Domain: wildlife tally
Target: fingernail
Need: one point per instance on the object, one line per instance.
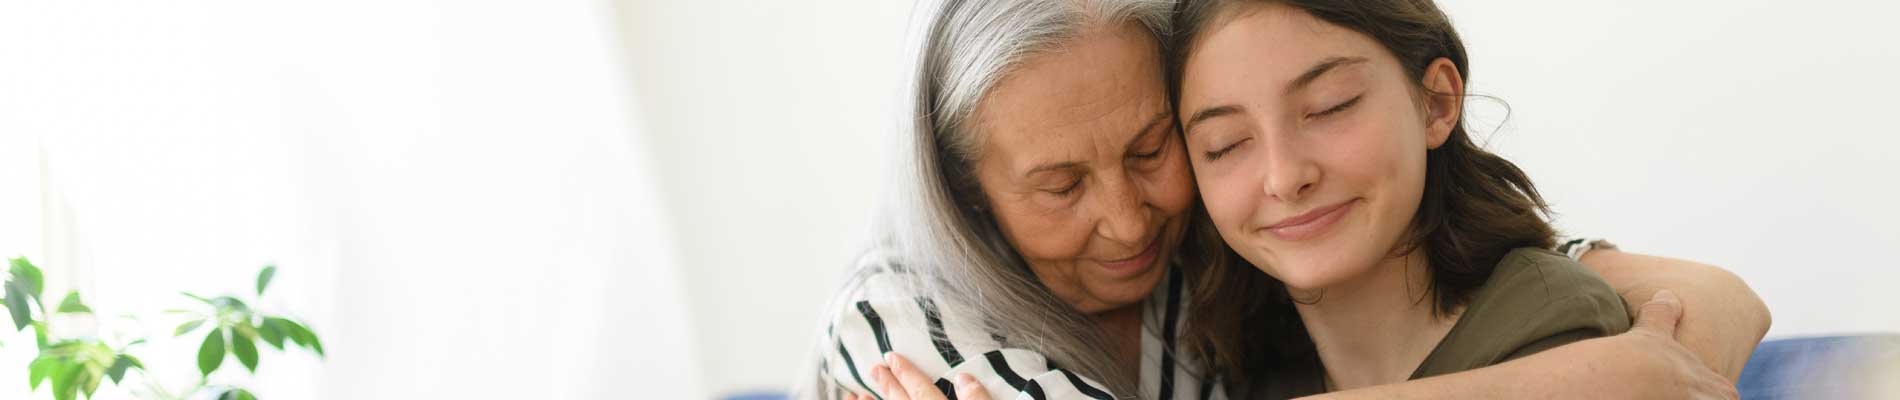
(966, 379)
(890, 358)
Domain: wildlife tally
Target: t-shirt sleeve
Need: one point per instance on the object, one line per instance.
(879, 317)
(1569, 321)
(1576, 247)
(1579, 305)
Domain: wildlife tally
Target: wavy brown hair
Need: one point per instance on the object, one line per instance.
(1476, 206)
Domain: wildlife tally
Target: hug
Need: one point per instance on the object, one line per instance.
(1240, 199)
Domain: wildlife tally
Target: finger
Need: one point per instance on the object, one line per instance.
(886, 384)
(916, 384)
(1660, 314)
(1721, 386)
(969, 389)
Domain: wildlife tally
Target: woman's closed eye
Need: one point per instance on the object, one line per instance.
(1065, 190)
(1155, 151)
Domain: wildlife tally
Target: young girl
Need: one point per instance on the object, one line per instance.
(1328, 143)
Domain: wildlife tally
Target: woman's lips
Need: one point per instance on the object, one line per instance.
(1136, 263)
(1311, 224)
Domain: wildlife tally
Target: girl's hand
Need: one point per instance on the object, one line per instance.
(897, 379)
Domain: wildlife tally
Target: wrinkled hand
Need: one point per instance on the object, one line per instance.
(1648, 361)
(897, 379)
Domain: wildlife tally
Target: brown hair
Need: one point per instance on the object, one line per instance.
(1476, 205)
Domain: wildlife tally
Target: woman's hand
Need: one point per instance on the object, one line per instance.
(1723, 320)
(1652, 364)
(897, 379)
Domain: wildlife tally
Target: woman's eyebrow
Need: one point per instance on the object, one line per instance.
(1313, 74)
(1154, 124)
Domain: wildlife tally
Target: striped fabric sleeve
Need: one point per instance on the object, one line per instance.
(879, 319)
(1576, 247)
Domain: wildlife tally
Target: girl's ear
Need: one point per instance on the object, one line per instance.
(1444, 100)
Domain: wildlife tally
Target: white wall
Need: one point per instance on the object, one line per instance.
(1752, 134)
(1755, 135)
(768, 119)
(455, 192)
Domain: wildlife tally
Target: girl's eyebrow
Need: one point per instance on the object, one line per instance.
(1306, 78)
(1206, 114)
(1313, 74)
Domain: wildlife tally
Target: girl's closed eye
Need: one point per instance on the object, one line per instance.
(1336, 109)
(1223, 150)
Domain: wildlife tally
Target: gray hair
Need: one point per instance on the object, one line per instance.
(934, 221)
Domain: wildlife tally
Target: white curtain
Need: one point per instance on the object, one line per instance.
(455, 192)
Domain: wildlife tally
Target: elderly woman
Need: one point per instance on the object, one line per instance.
(1039, 238)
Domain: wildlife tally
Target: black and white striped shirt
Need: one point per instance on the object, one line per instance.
(881, 317)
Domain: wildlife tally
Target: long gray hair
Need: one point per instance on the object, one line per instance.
(934, 221)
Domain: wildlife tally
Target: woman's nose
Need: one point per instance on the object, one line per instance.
(1125, 216)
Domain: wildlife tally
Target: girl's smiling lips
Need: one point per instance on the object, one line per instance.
(1310, 224)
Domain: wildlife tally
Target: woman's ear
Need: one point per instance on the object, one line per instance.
(1444, 100)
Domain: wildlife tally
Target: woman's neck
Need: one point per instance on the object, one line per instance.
(1376, 329)
(1123, 331)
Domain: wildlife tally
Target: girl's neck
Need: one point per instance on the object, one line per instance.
(1377, 328)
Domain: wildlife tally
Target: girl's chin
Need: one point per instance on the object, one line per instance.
(1308, 275)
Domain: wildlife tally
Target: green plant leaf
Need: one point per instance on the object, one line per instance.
(72, 304)
(41, 369)
(39, 333)
(197, 297)
(28, 275)
(272, 331)
(135, 361)
(89, 377)
(211, 354)
(263, 278)
(302, 336)
(65, 382)
(228, 304)
(119, 365)
(17, 305)
(187, 327)
(246, 351)
(236, 394)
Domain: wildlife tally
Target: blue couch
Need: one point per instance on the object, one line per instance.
(1825, 367)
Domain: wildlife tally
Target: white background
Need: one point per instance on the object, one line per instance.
(650, 199)
(454, 193)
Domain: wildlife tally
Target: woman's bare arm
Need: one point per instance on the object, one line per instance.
(1722, 319)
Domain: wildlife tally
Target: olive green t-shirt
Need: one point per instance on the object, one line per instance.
(1534, 300)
